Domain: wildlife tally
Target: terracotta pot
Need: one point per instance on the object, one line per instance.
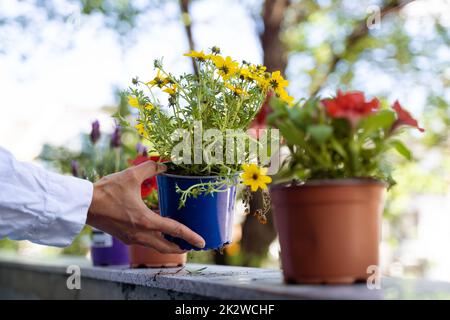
(143, 257)
(329, 230)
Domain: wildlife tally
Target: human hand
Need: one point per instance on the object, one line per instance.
(117, 208)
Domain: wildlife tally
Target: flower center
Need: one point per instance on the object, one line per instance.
(274, 83)
(255, 176)
(224, 69)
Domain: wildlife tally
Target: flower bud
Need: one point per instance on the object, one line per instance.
(215, 50)
(75, 168)
(95, 132)
(141, 149)
(116, 141)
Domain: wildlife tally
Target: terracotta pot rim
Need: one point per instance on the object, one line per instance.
(330, 183)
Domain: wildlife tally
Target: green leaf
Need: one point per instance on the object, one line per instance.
(275, 115)
(277, 104)
(402, 149)
(338, 148)
(291, 133)
(380, 120)
(303, 115)
(320, 132)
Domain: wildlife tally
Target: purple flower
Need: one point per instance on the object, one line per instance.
(141, 149)
(95, 132)
(75, 168)
(116, 141)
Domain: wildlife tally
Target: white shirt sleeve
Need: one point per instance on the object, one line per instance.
(41, 206)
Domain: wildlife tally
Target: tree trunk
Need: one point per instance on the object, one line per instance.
(257, 237)
(186, 19)
(275, 57)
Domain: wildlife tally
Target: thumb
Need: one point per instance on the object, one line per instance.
(148, 169)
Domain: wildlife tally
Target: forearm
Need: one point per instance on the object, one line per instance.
(40, 206)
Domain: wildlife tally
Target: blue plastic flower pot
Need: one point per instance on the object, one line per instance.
(211, 216)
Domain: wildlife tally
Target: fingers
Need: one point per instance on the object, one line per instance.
(150, 221)
(157, 242)
(176, 229)
(148, 169)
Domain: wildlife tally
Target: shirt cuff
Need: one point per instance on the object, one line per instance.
(67, 202)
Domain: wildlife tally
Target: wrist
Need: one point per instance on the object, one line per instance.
(94, 207)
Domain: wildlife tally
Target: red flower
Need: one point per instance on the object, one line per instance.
(404, 118)
(351, 106)
(260, 120)
(149, 184)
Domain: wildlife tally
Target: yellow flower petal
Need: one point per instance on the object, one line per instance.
(199, 55)
(262, 185)
(141, 129)
(133, 101)
(171, 90)
(254, 186)
(286, 97)
(266, 179)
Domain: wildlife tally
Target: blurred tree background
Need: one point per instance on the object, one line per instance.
(377, 46)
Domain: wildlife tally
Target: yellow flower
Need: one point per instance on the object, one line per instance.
(277, 82)
(171, 90)
(133, 101)
(226, 67)
(159, 81)
(283, 95)
(263, 82)
(199, 55)
(255, 177)
(248, 74)
(149, 106)
(140, 129)
(236, 90)
(257, 70)
(261, 69)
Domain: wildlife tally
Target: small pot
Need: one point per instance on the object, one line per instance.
(107, 250)
(144, 257)
(211, 216)
(329, 230)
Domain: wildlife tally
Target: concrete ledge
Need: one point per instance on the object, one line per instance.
(25, 279)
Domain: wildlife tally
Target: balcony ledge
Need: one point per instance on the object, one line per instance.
(22, 278)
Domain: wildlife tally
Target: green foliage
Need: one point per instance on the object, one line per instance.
(209, 100)
(94, 161)
(80, 245)
(223, 96)
(326, 147)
